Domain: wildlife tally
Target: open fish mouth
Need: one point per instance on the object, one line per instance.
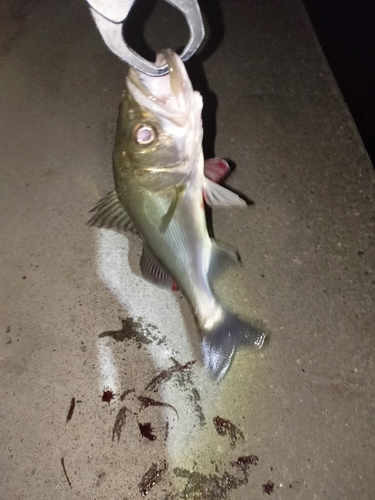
(170, 96)
(162, 88)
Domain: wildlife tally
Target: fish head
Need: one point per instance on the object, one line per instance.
(159, 130)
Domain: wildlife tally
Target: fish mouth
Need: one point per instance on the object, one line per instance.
(161, 88)
(168, 95)
(176, 79)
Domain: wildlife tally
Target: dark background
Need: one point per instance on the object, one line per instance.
(346, 32)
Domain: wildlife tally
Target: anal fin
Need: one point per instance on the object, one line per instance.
(110, 214)
(154, 272)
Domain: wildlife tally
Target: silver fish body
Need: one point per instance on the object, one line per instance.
(160, 188)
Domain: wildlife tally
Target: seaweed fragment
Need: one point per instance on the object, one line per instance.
(147, 431)
(224, 427)
(146, 402)
(150, 478)
(66, 474)
(71, 410)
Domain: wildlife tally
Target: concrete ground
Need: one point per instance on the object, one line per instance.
(88, 349)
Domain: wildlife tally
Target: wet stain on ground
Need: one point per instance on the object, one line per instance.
(182, 374)
(147, 431)
(101, 477)
(166, 429)
(167, 374)
(71, 410)
(134, 329)
(143, 334)
(145, 401)
(268, 487)
(244, 462)
(150, 478)
(199, 486)
(195, 399)
(119, 423)
(212, 487)
(130, 329)
(224, 427)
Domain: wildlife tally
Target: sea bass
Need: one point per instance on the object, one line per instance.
(161, 183)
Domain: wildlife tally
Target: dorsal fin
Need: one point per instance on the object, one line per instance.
(110, 214)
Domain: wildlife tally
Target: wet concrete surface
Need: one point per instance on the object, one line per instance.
(86, 344)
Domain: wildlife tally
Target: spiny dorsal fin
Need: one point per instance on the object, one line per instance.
(110, 214)
(154, 272)
(216, 195)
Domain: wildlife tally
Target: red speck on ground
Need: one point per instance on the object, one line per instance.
(107, 396)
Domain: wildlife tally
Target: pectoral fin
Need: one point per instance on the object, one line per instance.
(179, 192)
(216, 195)
(110, 214)
(154, 272)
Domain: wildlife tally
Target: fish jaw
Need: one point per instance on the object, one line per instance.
(172, 100)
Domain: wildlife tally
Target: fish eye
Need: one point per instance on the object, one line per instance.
(144, 134)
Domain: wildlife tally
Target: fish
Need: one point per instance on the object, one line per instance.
(162, 184)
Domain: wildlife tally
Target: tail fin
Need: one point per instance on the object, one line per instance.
(220, 344)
